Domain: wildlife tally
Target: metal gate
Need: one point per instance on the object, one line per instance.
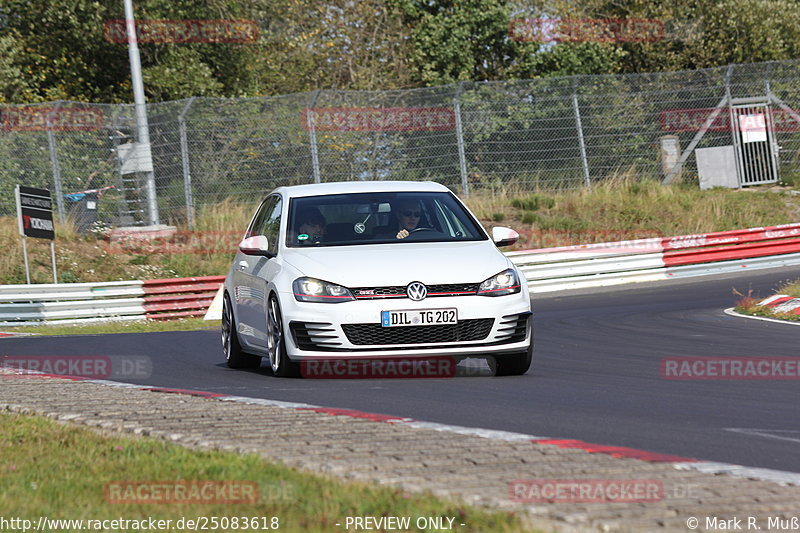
(753, 133)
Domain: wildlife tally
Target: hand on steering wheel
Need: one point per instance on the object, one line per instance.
(403, 233)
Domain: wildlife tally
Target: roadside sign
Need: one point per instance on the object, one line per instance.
(35, 213)
(35, 217)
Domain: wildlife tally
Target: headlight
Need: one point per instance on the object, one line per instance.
(316, 290)
(506, 282)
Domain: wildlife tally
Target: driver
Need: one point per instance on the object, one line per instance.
(408, 217)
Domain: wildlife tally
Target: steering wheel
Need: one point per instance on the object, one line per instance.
(420, 229)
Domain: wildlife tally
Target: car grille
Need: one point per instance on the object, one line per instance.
(372, 334)
(398, 291)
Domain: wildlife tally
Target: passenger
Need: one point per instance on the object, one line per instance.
(310, 226)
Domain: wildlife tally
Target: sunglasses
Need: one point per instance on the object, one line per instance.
(411, 214)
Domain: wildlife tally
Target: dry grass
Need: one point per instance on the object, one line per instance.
(625, 208)
(620, 208)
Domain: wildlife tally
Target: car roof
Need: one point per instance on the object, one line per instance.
(345, 187)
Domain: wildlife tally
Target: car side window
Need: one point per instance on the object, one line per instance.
(258, 219)
(270, 222)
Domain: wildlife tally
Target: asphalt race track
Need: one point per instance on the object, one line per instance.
(596, 374)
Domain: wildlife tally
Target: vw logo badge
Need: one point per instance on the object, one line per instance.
(416, 291)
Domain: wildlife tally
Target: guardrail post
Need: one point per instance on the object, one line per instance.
(462, 159)
(187, 176)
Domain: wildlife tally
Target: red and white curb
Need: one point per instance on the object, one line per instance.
(678, 462)
(780, 303)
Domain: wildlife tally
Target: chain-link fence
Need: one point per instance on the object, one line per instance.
(541, 134)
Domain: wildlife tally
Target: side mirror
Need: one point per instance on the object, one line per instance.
(504, 236)
(255, 245)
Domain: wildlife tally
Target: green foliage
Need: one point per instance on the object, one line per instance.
(58, 49)
(13, 82)
(459, 41)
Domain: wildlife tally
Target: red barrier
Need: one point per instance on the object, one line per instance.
(726, 253)
(738, 236)
(179, 297)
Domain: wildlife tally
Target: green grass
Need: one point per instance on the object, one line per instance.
(132, 326)
(60, 471)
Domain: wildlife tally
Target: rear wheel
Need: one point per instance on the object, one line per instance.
(281, 365)
(234, 355)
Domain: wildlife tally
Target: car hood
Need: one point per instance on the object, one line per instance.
(378, 265)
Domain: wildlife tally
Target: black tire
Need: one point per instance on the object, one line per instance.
(282, 366)
(515, 364)
(234, 355)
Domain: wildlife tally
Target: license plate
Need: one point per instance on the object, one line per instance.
(418, 317)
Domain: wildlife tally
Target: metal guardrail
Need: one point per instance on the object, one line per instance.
(654, 259)
(159, 299)
(69, 291)
(550, 269)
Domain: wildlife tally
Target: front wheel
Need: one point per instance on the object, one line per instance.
(514, 364)
(281, 365)
(518, 363)
(234, 355)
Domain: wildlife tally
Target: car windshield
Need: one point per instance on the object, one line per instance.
(379, 218)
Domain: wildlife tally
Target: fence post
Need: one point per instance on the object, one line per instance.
(577, 110)
(733, 126)
(187, 176)
(462, 159)
(312, 134)
(51, 141)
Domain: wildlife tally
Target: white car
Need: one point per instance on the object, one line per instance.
(338, 271)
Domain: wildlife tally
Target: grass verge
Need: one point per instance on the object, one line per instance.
(118, 326)
(68, 472)
(748, 305)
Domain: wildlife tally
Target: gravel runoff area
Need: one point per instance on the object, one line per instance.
(481, 470)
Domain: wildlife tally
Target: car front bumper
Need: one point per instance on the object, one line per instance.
(352, 330)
